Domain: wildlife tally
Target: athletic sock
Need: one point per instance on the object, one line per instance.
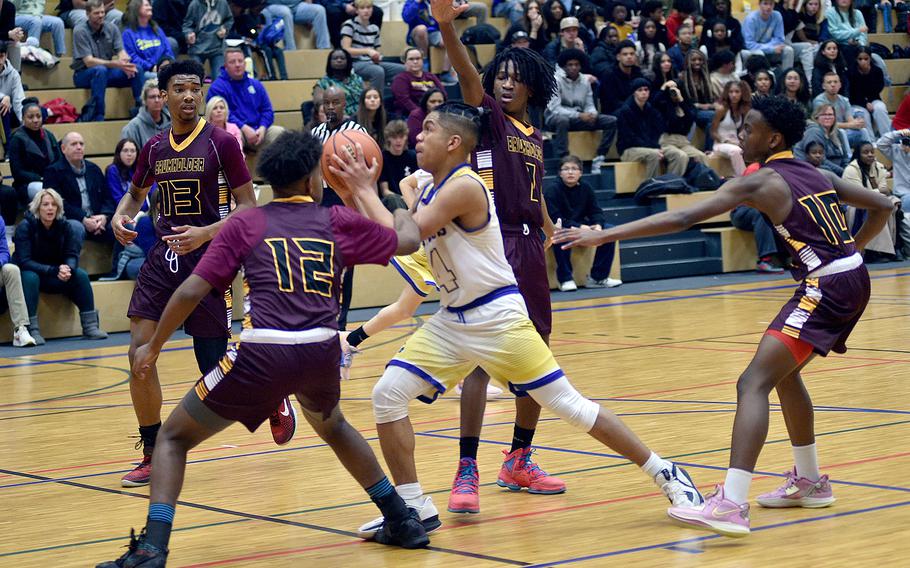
(389, 502)
(410, 492)
(148, 435)
(468, 447)
(736, 486)
(655, 465)
(158, 525)
(357, 337)
(806, 459)
(521, 438)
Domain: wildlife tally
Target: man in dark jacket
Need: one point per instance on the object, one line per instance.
(639, 128)
(572, 203)
(87, 203)
(616, 86)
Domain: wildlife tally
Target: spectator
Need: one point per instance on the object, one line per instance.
(603, 55)
(718, 41)
(206, 25)
(648, 47)
(828, 59)
(30, 17)
(32, 149)
(11, 96)
(10, 33)
(339, 72)
(732, 28)
(616, 86)
(87, 203)
(748, 219)
(866, 84)
(663, 70)
(572, 108)
(218, 112)
(99, 61)
(536, 26)
(763, 32)
(815, 154)
(679, 16)
(847, 119)
(901, 118)
(128, 260)
(430, 100)
(684, 45)
(553, 13)
(170, 15)
(371, 114)
(410, 85)
(587, 25)
(734, 104)
(846, 26)
(764, 83)
(143, 40)
(75, 12)
(654, 11)
(804, 51)
(361, 39)
(868, 172)
(812, 18)
(568, 39)
(723, 71)
(514, 10)
(639, 128)
(753, 64)
(695, 85)
(152, 117)
(795, 87)
(11, 282)
(398, 161)
(252, 113)
(618, 21)
(303, 12)
(47, 253)
(119, 173)
(423, 31)
(261, 36)
(679, 116)
(573, 201)
(824, 131)
(339, 11)
(895, 145)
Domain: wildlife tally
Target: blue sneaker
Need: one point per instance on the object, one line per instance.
(679, 487)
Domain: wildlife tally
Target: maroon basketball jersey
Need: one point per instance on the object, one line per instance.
(509, 158)
(195, 174)
(815, 232)
(292, 252)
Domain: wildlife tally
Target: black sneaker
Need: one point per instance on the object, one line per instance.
(406, 533)
(140, 555)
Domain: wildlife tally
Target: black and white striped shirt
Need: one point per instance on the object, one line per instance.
(322, 133)
(362, 37)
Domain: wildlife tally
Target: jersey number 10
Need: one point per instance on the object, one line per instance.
(825, 211)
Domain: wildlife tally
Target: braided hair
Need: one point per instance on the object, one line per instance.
(530, 68)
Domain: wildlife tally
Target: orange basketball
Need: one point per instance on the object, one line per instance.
(344, 142)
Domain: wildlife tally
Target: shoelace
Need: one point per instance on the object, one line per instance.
(139, 442)
(466, 481)
(525, 462)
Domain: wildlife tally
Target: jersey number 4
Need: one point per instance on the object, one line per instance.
(313, 256)
(825, 211)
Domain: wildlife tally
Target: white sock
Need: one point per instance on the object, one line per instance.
(410, 492)
(655, 465)
(736, 486)
(806, 459)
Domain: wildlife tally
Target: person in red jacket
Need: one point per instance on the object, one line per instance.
(682, 11)
(901, 119)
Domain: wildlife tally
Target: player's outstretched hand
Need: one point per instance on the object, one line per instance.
(445, 11)
(186, 239)
(353, 170)
(143, 361)
(578, 237)
(124, 236)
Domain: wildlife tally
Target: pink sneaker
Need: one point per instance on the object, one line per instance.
(140, 476)
(799, 492)
(283, 422)
(519, 471)
(465, 497)
(718, 514)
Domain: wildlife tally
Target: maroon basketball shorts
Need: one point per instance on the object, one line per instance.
(251, 380)
(161, 273)
(526, 255)
(824, 309)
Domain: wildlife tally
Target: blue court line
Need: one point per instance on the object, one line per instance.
(684, 549)
(716, 536)
(567, 309)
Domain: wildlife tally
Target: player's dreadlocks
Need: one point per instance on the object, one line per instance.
(782, 115)
(531, 69)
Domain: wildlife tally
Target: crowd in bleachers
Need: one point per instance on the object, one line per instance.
(666, 84)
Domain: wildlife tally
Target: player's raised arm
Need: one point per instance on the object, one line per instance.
(445, 12)
(879, 207)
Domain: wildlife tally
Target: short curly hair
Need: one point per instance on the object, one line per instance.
(290, 158)
(183, 67)
(782, 115)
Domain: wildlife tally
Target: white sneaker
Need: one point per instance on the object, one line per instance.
(426, 510)
(596, 164)
(347, 356)
(567, 286)
(678, 487)
(22, 338)
(605, 283)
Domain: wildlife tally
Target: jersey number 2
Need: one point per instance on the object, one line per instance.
(314, 256)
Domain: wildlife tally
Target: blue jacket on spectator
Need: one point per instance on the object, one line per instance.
(247, 98)
(417, 13)
(61, 177)
(4, 248)
(145, 47)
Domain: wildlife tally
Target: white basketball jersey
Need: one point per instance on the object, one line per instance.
(466, 264)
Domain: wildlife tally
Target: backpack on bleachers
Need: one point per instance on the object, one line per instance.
(661, 185)
(702, 177)
(481, 34)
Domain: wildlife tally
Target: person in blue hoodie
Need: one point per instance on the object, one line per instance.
(143, 40)
(251, 109)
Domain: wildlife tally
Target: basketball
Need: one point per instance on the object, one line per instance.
(345, 142)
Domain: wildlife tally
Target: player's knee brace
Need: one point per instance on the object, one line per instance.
(394, 391)
(561, 398)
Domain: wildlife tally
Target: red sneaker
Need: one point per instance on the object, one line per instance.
(283, 422)
(519, 471)
(139, 476)
(464, 497)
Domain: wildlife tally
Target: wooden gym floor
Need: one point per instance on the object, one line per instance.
(667, 361)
